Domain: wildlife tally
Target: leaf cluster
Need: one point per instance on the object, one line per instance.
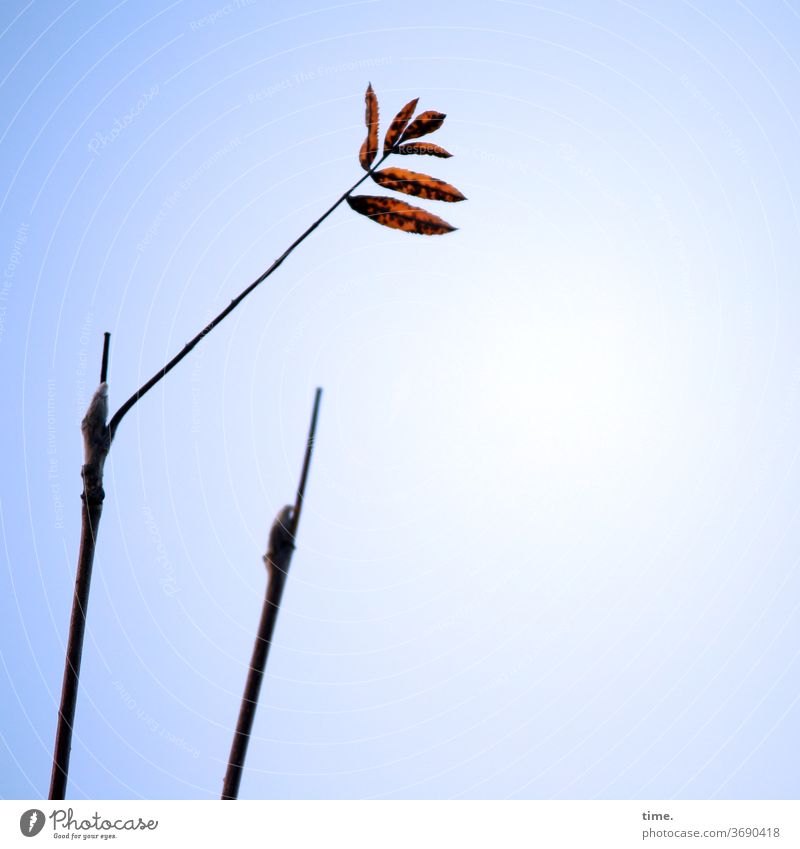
(393, 212)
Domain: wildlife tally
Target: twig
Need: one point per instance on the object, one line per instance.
(117, 417)
(96, 443)
(104, 362)
(96, 448)
(277, 559)
(301, 488)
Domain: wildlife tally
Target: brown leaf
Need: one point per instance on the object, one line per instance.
(427, 122)
(369, 149)
(399, 124)
(421, 185)
(399, 215)
(424, 149)
(363, 157)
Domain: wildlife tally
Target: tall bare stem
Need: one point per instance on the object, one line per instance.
(277, 559)
(98, 437)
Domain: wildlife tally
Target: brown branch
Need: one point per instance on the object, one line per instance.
(98, 437)
(161, 373)
(104, 362)
(96, 443)
(277, 559)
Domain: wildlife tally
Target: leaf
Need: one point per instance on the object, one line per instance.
(399, 215)
(427, 122)
(424, 149)
(369, 149)
(363, 156)
(399, 124)
(421, 185)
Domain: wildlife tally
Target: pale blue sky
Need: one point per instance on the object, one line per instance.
(551, 539)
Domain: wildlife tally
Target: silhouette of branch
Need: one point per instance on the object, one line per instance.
(277, 559)
(161, 373)
(98, 435)
(96, 443)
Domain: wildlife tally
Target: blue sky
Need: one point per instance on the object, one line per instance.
(551, 535)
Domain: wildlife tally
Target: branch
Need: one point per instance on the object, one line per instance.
(96, 443)
(301, 488)
(159, 375)
(277, 559)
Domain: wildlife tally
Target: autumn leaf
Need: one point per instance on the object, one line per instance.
(398, 125)
(399, 215)
(427, 122)
(369, 149)
(421, 185)
(423, 149)
(390, 212)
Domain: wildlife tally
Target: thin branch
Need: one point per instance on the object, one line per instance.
(98, 437)
(104, 363)
(95, 449)
(277, 559)
(117, 417)
(301, 488)
(99, 433)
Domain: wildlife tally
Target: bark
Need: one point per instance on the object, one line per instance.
(277, 560)
(96, 444)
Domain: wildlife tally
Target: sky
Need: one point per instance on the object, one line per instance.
(550, 540)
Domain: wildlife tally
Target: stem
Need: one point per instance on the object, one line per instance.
(117, 417)
(98, 437)
(277, 559)
(96, 443)
(247, 712)
(301, 488)
(104, 362)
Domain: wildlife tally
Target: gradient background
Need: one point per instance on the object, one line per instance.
(551, 538)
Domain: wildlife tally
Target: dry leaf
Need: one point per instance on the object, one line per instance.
(421, 185)
(369, 149)
(424, 149)
(398, 125)
(399, 215)
(427, 122)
